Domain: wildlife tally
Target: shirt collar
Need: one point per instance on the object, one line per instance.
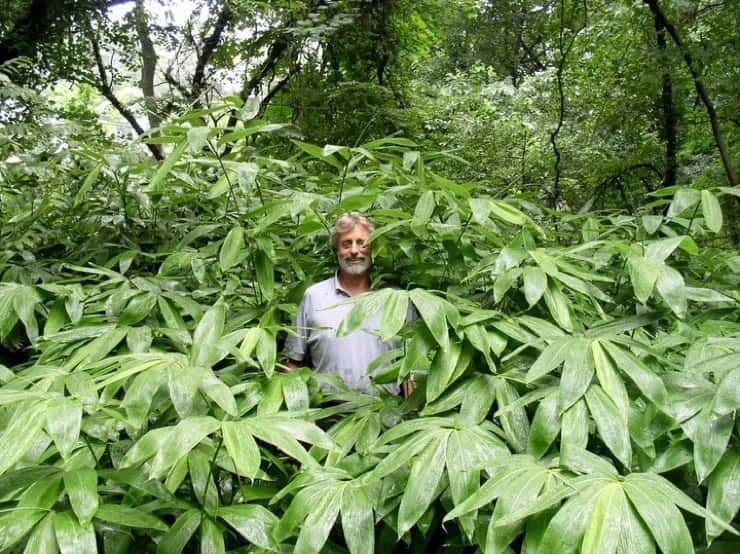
(337, 286)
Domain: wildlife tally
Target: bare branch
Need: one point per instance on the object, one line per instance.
(148, 63)
(105, 88)
(700, 89)
(224, 17)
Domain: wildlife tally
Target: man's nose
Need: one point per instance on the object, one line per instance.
(355, 248)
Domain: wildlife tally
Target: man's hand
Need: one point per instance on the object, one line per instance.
(291, 364)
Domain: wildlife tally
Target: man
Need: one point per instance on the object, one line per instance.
(322, 310)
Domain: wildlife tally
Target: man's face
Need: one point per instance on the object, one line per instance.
(353, 251)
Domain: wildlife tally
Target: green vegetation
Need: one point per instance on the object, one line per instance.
(560, 208)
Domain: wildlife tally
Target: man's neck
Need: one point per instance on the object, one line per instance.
(354, 284)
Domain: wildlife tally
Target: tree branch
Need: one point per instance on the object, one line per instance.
(224, 17)
(148, 63)
(700, 89)
(105, 88)
(277, 88)
(564, 49)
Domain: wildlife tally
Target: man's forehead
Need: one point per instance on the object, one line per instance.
(356, 230)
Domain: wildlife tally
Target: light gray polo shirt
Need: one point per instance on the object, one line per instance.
(348, 356)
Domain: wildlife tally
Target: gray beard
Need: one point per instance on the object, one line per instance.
(354, 268)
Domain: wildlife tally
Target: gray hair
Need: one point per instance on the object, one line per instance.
(346, 222)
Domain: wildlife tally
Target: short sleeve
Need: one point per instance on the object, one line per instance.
(297, 344)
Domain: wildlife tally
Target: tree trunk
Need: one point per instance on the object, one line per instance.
(669, 113)
(148, 64)
(104, 86)
(731, 205)
(700, 89)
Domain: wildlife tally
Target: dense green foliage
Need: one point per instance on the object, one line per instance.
(577, 351)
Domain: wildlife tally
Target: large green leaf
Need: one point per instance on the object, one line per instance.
(545, 426)
(578, 371)
(211, 538)
(231, 248)
(535, 283)
(357, 520)
(251, 521)
(663, 519)
(710, 441)
(711, 211)
(72, 537)
(180, 440)
(63, 420)
(241, 447)
(126, 516)
(422, 483)
(723, 498)
(20, 434)
(180, 533)
(609, 424)
(318, 524)
(43, 540)
(16, 524)
(432, 312)
(643, 274)
(604, 525)
(207, 333)
(646, 380)
(565, 531)
(82, 489)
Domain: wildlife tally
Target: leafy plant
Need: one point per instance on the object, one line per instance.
(576, 374)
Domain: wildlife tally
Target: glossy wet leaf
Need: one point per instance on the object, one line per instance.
(81, 487)
(251, 521)
(63, 420)
(72, 537)
(129, 517)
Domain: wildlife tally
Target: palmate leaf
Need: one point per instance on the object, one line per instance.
(231, 248)
(43, 540)
(180, 533)
(211, 537)
(609, 424)
(20, 433)
(723, 498)
(321, 498)
(81, 487)
(518, 493)
(127, 516)
(421, 487)
(63, 421)
(205, 338)
(649, 384)
(604, 514)
(282, 431)
(521, 488)
(545, 426)
(432, 310)
(253, 522)
(72, 537)
(711, 436)
(15, 525)
(578, 371)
